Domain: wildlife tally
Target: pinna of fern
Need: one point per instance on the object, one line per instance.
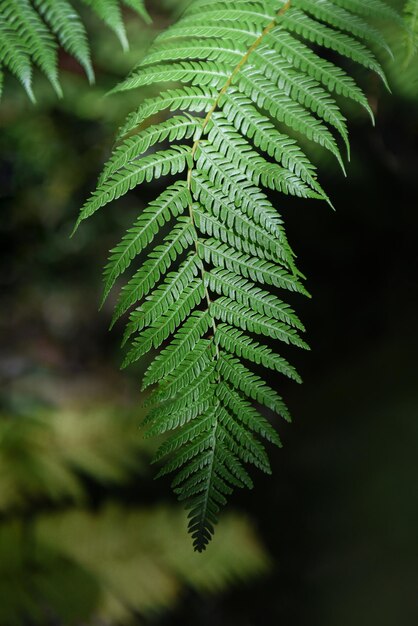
(243, 86)
(32, 30)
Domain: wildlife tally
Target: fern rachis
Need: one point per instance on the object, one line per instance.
(248, 90)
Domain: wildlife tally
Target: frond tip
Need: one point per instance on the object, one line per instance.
(245, 94)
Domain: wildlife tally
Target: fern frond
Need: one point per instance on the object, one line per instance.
(189, 433)
(13, 53)
(264, 232)
(197, 73)
(31, 30)
(109, 12)
(246, 91)
(67, 26)
(411, 19)
(246, 118)
(246, 413)
(35, 37)
(139, 7)
(247, 198)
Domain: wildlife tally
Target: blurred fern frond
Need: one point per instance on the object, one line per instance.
(411, 19)
(247, 83)
(43, 457)
(141, 560)
(118, 561)
(32, 31)
(402, 71)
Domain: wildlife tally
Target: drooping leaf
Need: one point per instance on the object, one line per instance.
(246, 89)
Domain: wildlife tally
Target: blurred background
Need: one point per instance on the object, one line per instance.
(86, 536)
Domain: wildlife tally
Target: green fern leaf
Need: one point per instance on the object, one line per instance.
(35, 37)
(31, 30)
(139, 7)
(65, 23)
(109, 12)
(13, 53)
(411, 19)
(246, 90)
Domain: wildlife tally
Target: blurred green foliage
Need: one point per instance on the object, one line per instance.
(45, 455)
(63, 560)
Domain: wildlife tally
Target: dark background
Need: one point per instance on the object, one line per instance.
(339, 517)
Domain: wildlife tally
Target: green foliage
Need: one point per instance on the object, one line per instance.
(42, 458)
(403, 70)
(411, 19)
(125, 560)
(32, 30)
(254, 89)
